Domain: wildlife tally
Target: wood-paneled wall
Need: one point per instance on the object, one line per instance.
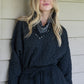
(71, 17)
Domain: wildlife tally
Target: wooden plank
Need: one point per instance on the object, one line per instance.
(74, 28)
(13, 8)
(0, 7)
(4, 70)
(72, 1)
(10, 11)
(78, 78)
(0, 29)
(69, 11)
(77, 63)
(7, 28)
(3, 82)
(0, 16)
(71, 27)
(5, 49)
(77, 46)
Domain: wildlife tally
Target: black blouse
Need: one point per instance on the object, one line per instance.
(38, 59)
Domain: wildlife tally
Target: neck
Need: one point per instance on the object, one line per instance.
(45, 14)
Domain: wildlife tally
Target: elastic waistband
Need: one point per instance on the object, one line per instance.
(32, 71)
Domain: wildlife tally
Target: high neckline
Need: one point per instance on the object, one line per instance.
(43, 28)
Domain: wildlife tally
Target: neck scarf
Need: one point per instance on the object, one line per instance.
(44, 28)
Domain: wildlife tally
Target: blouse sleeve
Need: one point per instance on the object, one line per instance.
(65, 64)
(15, 65)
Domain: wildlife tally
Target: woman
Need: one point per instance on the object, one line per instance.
(40, 47)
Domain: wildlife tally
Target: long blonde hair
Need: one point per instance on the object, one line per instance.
(34, 18)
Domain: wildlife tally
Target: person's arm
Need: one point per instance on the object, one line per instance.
(65, 64)
(15, 66)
